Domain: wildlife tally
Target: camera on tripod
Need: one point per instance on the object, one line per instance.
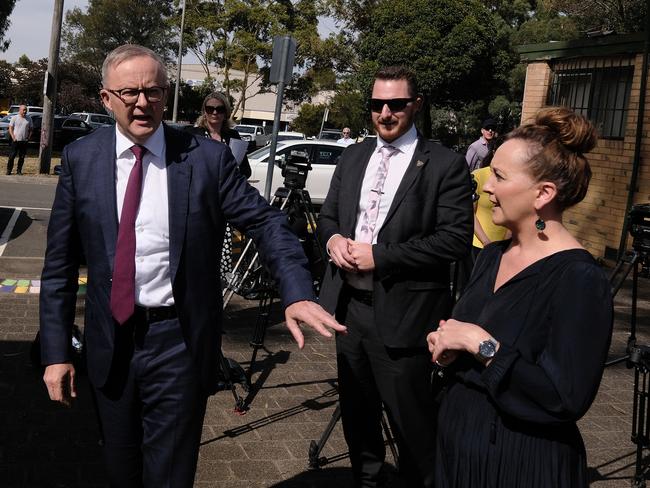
(639, 226)
(295, 167)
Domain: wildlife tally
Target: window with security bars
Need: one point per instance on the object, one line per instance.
(597, 89)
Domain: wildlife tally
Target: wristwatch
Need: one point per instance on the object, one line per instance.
(487, 349)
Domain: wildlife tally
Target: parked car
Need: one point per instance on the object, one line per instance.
(4, 129)
(323, 156)
(290, 136)
(178, 125)
(330, 134)
(31, 109)
(66, 130)
(94, 120)
(256, 135)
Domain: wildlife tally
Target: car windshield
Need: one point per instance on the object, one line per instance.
(331, 135)
(6, 118)
(244, 129)
(263, 153)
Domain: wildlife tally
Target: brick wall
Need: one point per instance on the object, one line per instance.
(598, 220)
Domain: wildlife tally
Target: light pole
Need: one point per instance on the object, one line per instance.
(179, 62)
(49, 90)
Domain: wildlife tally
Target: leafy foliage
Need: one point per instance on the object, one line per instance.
(309, 119)
(6, 7)
(88, 36)
(620, 16)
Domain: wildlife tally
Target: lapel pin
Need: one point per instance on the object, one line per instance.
(419, 163)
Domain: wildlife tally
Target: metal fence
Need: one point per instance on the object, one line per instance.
(598, 88)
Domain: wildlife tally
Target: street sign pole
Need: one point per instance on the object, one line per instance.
(49, 90)
(284, 50)
(179, 63)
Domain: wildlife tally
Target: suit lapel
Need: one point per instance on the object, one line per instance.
(417, 164)
(178, 184)
(103, 162)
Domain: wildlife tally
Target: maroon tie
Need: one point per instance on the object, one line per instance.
(123, 287)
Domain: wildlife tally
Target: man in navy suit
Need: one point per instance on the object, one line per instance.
(146, 206)
(398, 211)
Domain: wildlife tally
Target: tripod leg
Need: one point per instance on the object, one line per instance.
(263, 318)
(315, 448)
(389, 437)
(225, 369)
(638, 419)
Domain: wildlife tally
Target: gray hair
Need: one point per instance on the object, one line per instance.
(129, 51)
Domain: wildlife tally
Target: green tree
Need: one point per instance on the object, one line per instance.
(620, 16)
(309, 119)
(449, 44)
(29, 76)
(77, 89)
(349, 109)
(6, 82)
(236, 36)
(6, 7)
(90, 34)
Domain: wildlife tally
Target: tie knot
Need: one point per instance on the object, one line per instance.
(387, 151)
(138, 151)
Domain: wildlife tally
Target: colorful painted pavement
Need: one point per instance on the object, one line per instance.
(8, 285)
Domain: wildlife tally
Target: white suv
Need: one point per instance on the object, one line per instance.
(94, 120)
(323, 156)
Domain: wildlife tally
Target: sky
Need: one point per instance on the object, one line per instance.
(31, 25)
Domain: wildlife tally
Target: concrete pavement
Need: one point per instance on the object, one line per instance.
(42, 445)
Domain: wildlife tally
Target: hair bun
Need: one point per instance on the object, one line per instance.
(573, 131)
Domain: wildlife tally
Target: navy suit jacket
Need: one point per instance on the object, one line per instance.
(205, 190)
(429, 224)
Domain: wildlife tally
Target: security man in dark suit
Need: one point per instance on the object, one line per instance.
(398, 212)
(147, 206)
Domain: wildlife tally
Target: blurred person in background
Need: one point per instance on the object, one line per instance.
(20, 130)
(480, 148)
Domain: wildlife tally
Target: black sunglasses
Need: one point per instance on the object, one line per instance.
(211, 109)
(394, 104)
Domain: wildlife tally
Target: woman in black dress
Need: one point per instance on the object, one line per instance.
(528, 339)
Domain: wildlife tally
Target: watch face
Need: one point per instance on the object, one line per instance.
(487, 349)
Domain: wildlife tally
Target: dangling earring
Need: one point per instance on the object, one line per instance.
(540, 225)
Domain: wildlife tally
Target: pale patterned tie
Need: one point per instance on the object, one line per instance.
(123, 285)
(370, 214)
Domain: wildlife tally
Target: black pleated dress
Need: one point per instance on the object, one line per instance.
(513, 424)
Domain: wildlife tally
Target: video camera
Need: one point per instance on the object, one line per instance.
(295, 167)
(639, 227)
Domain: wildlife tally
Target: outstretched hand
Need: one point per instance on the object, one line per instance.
(313, 315)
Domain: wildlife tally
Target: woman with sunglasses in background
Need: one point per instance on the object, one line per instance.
(527, 342)
(214, 123)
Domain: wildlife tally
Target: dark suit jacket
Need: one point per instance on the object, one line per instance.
(429, 225)
(205, 190)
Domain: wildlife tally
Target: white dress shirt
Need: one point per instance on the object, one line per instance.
(153, 286)
(398, 165)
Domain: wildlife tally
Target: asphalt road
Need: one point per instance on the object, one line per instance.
(25, 204)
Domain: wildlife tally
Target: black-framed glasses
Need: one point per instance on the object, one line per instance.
(215, 109)
(130, 96)
(394, 104)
